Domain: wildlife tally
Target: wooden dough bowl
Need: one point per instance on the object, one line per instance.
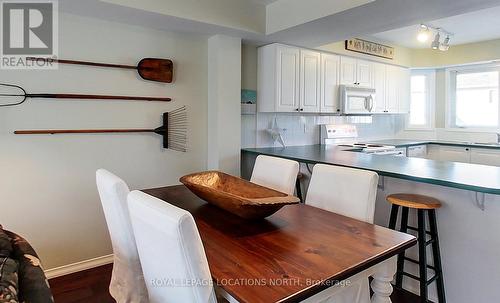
(237, 196)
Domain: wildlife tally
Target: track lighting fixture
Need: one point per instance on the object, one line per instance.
(435, 43)
(425, 31)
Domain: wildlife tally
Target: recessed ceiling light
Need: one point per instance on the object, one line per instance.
(435, 44)
(423, 33)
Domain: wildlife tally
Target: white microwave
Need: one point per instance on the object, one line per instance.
(357, 100)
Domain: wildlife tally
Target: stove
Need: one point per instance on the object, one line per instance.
(344, 136)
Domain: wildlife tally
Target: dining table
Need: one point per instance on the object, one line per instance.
(298, 254)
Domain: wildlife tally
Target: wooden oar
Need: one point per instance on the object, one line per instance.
(154, 69)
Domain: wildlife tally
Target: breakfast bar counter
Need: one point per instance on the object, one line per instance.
(468, 221)
(473, 177)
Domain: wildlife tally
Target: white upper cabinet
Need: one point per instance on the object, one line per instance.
(288, 78)
(356, 72)
(392, 89)
(291, 79)
(348, 71)
(310, 71)
(364, 73)
(379, 80)
(330, 67)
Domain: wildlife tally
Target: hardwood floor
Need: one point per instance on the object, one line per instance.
(83, 287)
(92, 286)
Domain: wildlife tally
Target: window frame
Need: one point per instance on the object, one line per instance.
(451, 96)
(430, 79)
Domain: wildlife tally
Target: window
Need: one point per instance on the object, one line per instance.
(474, 98)
(422, 100)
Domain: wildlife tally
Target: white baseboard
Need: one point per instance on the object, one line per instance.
(78, 266)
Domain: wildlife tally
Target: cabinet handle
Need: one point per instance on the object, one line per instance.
(301, 109)
(297, 109)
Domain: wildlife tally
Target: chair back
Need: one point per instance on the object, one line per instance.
(127, 281)
(276, 173)
(346, 191)
(171, 252)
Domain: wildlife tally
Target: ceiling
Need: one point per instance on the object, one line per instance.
(471, 27)
(265, 2)
(380, 16)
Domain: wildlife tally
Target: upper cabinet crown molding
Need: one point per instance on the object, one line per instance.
(292, 79)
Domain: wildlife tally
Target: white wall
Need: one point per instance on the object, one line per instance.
(47, 191)
(224, 110)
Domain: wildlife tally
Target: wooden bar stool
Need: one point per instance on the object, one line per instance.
(422, 204)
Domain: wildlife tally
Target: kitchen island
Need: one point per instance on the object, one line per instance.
(468, 221)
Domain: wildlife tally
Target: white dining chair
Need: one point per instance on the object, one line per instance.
(127, 281)
(346, 191)
(171, 252)
(276, 173)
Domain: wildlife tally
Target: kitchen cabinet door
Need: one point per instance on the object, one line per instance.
(392, 90)
(364, 73)
(449, 153)
(330, 67)
(348, 71)
(379, 79)
(310, 71)
(404, 90)
(485, 156)
(288, 64)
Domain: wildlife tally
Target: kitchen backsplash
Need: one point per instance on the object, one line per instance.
(305, 129)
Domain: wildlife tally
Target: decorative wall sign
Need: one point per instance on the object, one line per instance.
(369, 48)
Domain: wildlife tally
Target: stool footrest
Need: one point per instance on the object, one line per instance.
(432, 279)
(416, 229)
(418, 263)
(428, 282)
(411, 276)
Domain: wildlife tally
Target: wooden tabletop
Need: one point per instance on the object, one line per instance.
(289, 256)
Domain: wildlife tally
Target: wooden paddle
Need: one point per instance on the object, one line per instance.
(159, 70)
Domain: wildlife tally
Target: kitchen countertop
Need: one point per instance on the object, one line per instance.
(407, 143)
(473, 177)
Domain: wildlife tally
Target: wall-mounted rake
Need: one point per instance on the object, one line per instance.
(173, 130)
(11, 95)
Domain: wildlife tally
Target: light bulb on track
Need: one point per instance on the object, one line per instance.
(435, 44)
(423, 34)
